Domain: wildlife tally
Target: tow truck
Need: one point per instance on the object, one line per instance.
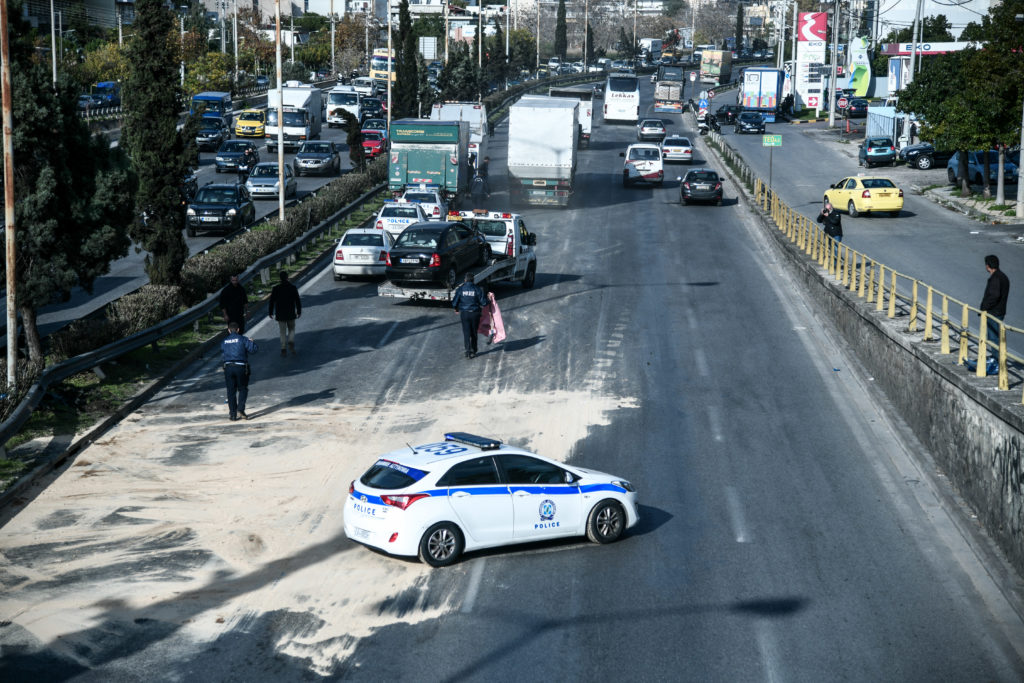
(512, 256)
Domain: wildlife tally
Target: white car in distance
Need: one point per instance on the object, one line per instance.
(362, 251)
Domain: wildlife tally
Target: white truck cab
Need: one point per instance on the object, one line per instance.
(343, 98)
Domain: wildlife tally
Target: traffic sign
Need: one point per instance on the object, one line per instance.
(703, 104)
(693, 76)
(711, 94)
(812, 101)
(771, 141)
(843, 102)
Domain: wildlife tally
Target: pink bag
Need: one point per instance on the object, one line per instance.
(491, 324)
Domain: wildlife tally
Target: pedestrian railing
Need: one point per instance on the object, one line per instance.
(935, 315)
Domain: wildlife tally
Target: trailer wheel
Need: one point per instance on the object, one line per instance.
(531, 275)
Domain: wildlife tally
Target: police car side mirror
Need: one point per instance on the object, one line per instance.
(570, 478)
(531, 240)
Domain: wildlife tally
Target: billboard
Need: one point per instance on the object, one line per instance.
(813, 26)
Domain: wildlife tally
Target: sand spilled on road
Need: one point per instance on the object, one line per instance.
(209, 526)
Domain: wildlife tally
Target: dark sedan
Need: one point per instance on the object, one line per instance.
(700, 185)
(371, 107)
(219, 206)
(923, 155)
(749, 122)
(857, 108)
(231, 153)
(727, 113)
(212, 133)
(436, 253)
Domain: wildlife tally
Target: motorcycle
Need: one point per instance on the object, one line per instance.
(703, 127)
(244, 169)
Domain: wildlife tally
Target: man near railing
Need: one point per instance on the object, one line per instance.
(833, 225)
(997, 290)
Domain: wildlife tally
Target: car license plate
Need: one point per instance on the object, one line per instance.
(210, 219)
(703, 186)
(360, 533)
(409, 260)
(362, 257)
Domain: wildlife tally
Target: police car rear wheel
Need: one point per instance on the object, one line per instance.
(606, 522)
(441, 545)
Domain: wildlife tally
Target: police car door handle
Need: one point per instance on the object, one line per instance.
(522, 493)
(460, 494)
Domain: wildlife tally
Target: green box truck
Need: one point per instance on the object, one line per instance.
(434, 154)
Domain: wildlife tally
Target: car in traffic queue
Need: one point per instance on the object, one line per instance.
(373, 107)
(230, 154)
(430, 200)
(468, 492)
(375, 124)
(212, 133)
(365, 86)
(317, 156)
(394, 217)
(224, 207)
(727, 113)
(373, 143)
(263, 81)
(362, 251)
(865, 194)
(643, 164)
(876, 151)
(701, 185)
(263, 181)
(857, 108)
(87, 102)
(749, 122)
(923, 155)
(677, 148)
(436, 253)
(651, 129)
(251, 123)
(976, 168)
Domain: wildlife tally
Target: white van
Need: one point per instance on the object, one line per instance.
(365, 86)
(342, 98)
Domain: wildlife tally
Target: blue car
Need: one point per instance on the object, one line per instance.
(877, 151)
(976, 168)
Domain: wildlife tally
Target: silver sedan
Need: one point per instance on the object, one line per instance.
(263, 181)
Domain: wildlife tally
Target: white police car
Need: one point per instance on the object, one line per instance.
(469, 492)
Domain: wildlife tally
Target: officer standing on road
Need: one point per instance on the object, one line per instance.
(993, 302)
(234, 303)
(286, 305)
(469, 301)
(833, 223)
(235, 350)
(478, 191)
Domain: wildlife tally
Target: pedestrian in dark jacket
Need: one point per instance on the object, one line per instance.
(833, 225)
(483, 171)
(286, 305)
(235, 350)
(478, 191)
(997, 290)
(234, 303)
(469, 301)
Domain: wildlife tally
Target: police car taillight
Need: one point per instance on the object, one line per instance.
(352, 487)
(402, 502)
(437, 210)
(435, 260)
(380, 225)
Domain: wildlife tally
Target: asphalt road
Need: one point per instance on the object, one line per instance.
(789, 530)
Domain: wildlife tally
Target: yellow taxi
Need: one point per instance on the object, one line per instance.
(865, 194)
(250, 123)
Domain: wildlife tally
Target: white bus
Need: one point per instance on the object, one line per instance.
(622, 98)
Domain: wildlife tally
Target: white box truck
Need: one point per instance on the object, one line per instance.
(585, 94)
(476, 115)
(543, 134)
(343, 98)
(303, 115)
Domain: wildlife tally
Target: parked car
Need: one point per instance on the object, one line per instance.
(677, 148)
(727, 113)
(212, 133)
(231, 153)
(263, 181)
(651, 129)
(362, 251)
(857, 108)
(702, 185)
(976, 168)
(431, 201)
(865, 194)
(643, 164)
(219, 206)
(876, 151)
(749, 122)
(923, 155)
(317, 156)
(436, 252)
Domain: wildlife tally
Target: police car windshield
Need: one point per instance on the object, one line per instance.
(418, 238)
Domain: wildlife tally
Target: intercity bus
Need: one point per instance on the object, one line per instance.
(622, 98)
(379, 65)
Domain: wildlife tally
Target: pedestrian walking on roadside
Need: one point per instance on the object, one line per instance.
(286, 307)
(468, 302)
(478, 191)
(483, 171)
(235, 350)
(993, 302)
(234, 303)
(833, 225)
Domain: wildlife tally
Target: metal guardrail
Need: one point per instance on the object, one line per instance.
(72, 366)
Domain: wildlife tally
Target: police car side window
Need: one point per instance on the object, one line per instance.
(522, 469)
(470, 473)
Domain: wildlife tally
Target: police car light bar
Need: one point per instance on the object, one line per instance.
(481, 442)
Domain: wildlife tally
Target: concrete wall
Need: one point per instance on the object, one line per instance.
(975, 433)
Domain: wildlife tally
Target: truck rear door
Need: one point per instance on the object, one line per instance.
(397, 169)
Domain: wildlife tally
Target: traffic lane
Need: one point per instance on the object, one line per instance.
(948, 249)
(760, 526)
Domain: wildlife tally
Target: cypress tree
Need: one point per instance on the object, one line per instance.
(561, 44)
(159, 153)
(407, 82)
(739, 27)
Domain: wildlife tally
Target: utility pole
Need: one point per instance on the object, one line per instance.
(11, 262)
(220, 12)
(334, 66)
(586, 30)
(508, 26)
(479, 34)
(792, 51)
(291, 42)
(280, 112)
(538, 35)
(53, 43)
(234, 34)
(181, 16)
(831, 93)
(632, 50)
(446, 4)
(120, 34)
(391, 64)
(914, 40)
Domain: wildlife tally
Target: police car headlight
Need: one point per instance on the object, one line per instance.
(190, 211)
(624, 484)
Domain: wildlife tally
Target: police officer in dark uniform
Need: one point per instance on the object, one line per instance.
(235, 350)
(469, 301)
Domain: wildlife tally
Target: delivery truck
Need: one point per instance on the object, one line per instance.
(543, 134)
(585, 95)
(762, 91)
(303, 115)
(475, 114)
(433, 154)
(668, 89)
(716, 66)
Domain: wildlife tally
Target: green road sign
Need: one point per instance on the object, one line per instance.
(771, 141)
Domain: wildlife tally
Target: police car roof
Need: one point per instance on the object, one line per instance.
(425, 455)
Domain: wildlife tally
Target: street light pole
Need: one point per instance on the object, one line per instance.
(446, 30)
(234, 35)
(508, 26)
(831, 93)
(11, 262)
(181, 17)
(538, 36)
(280, 112)
(334, 66)
(391, 61)
(53, 43)
(586, 30)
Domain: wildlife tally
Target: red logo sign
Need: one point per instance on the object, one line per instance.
(812, 26)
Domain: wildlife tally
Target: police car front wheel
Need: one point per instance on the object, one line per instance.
(606, 522)
(441, 545)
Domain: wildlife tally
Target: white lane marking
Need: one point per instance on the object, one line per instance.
(739, 524)
(716, 423)
(387, 335)
(769, 651)
(691, 320)
(475, 575)
(702, 362)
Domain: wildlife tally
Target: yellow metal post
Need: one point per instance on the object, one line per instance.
(944, 334)
(928, 317)
(863, 272)
(1004, 380)
(979, 371)
(871, 282)
(881, 287)
(964, 335)
(892, 295)
(912, 323)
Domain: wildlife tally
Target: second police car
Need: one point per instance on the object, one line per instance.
(469, 492)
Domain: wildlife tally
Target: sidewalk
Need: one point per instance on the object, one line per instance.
(931, 184)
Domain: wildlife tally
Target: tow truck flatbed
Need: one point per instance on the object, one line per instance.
(496, 271)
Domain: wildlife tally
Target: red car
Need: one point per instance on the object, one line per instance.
(373, 143)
